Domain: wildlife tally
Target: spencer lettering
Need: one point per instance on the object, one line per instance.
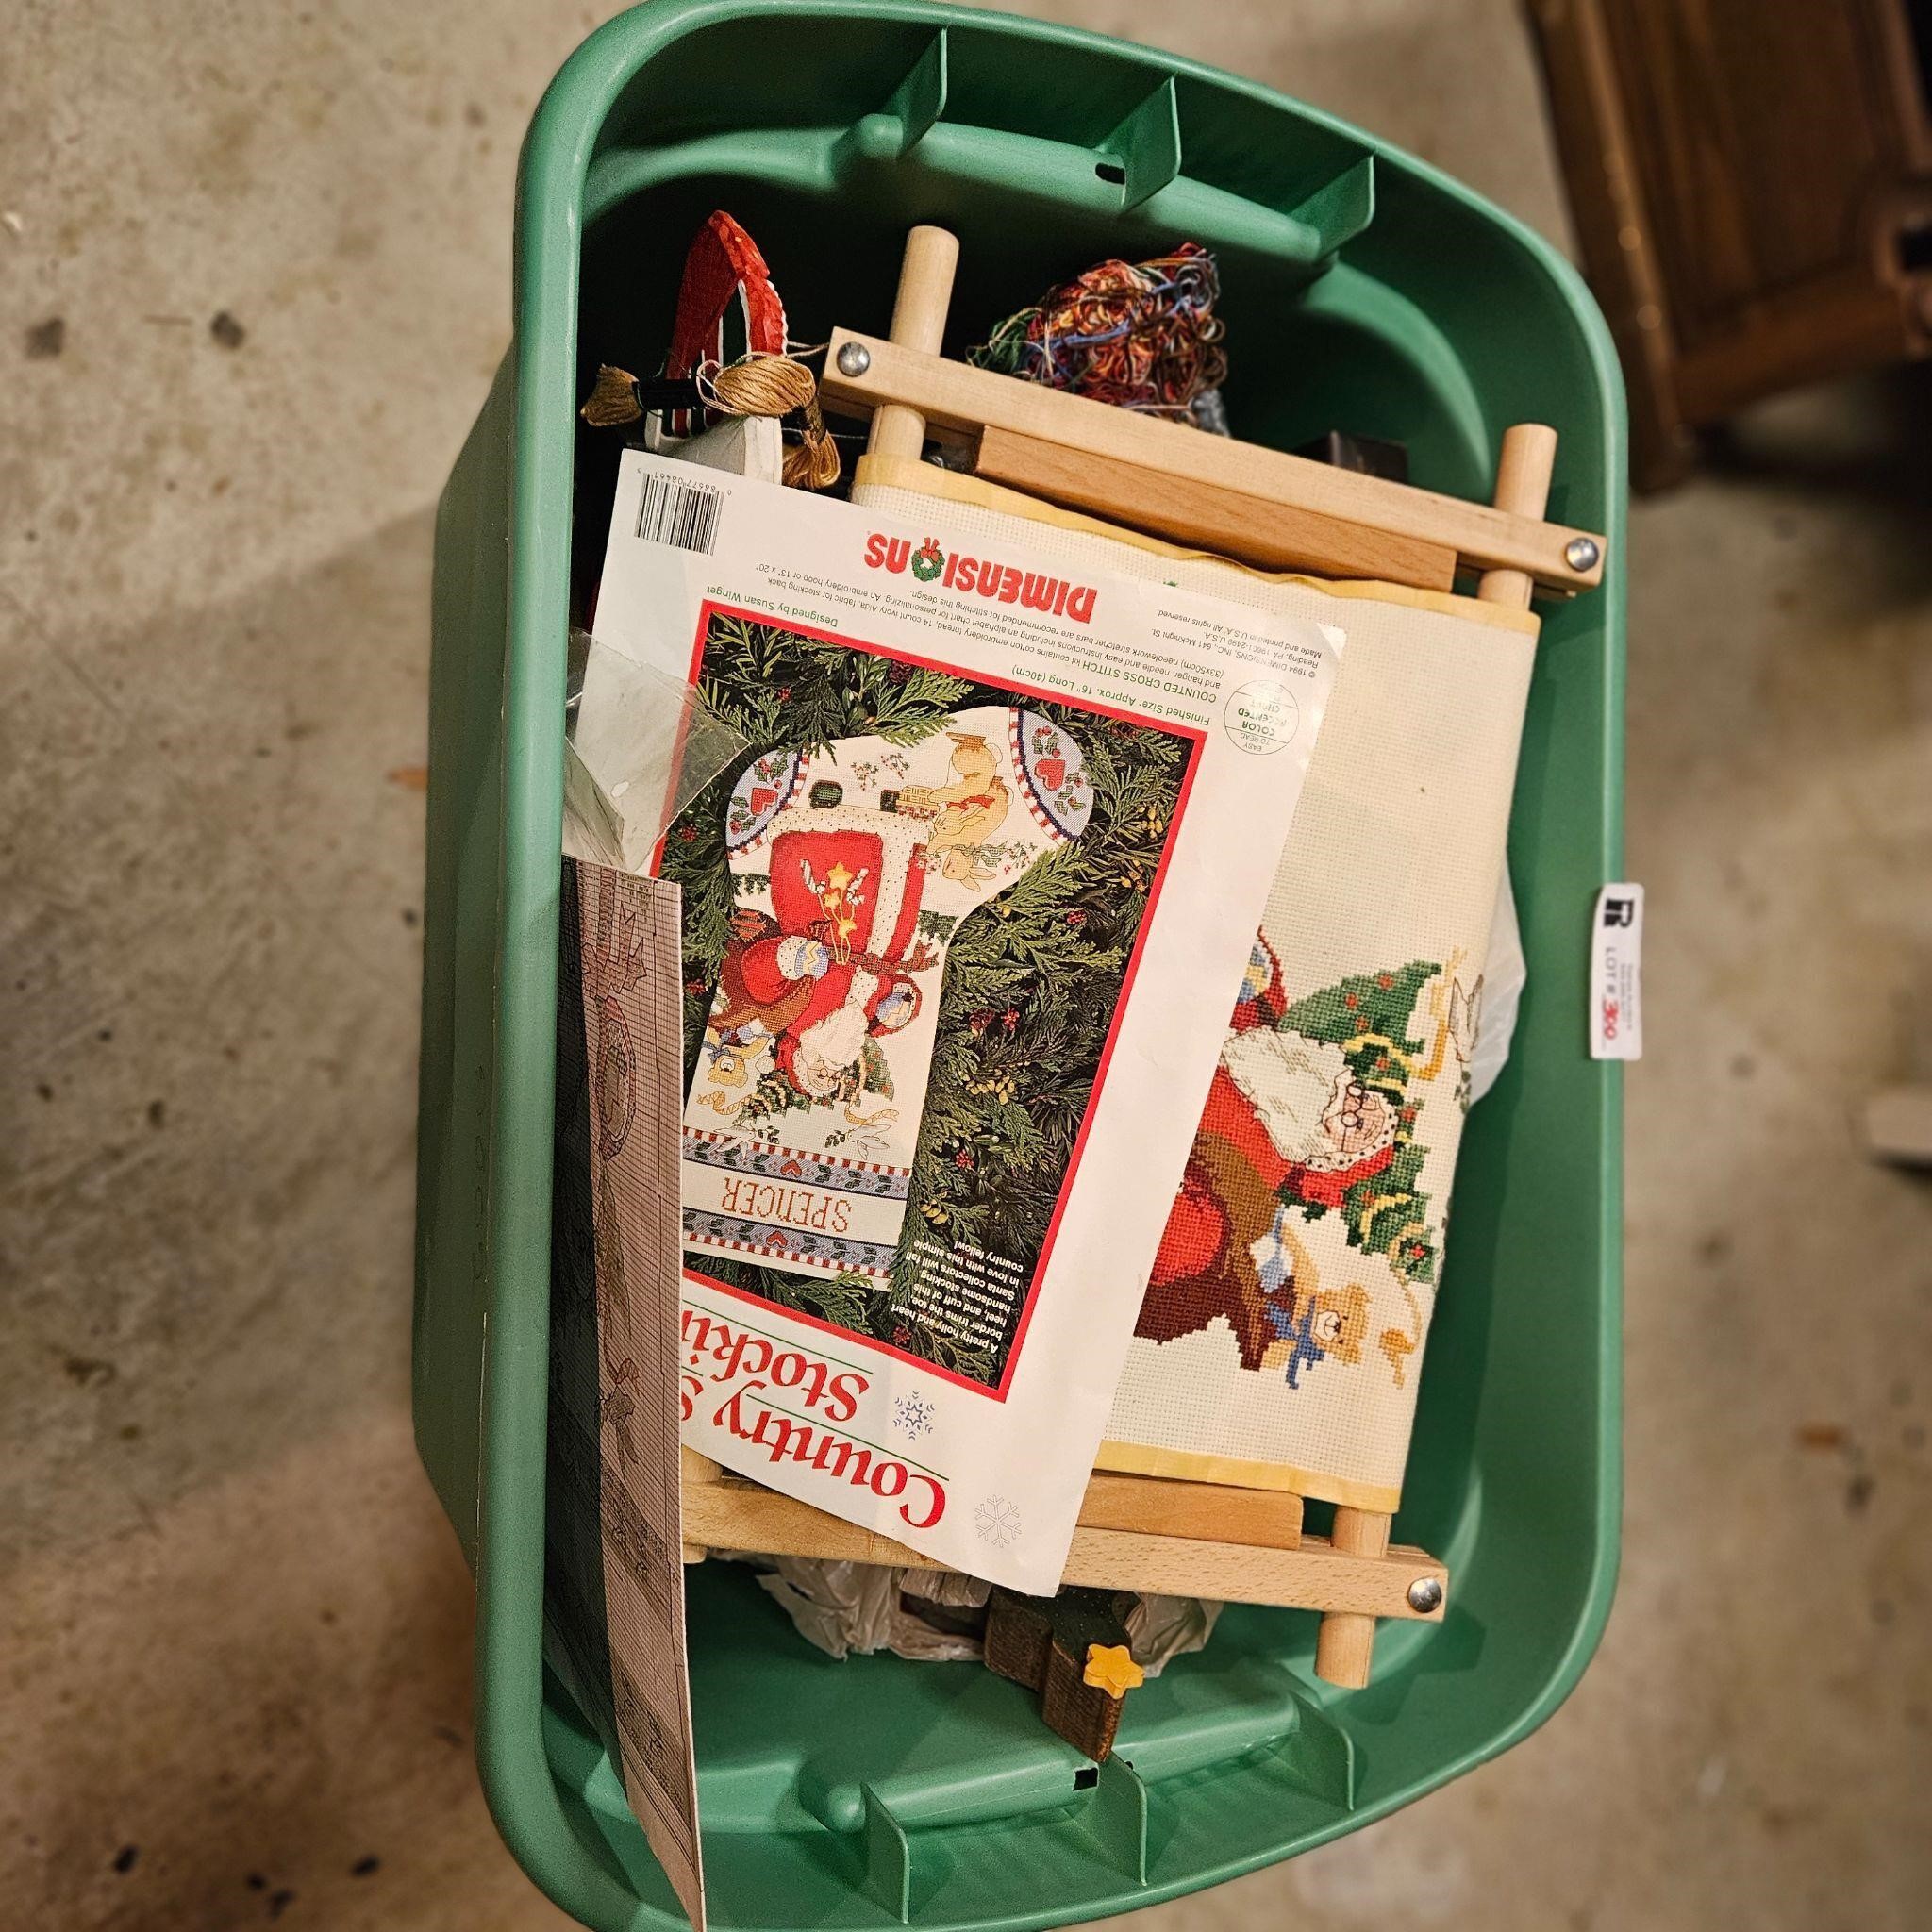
(796, 1206)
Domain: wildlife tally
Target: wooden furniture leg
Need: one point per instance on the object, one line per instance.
(1800, 252)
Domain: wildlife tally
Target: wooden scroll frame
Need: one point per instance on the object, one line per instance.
(1259, 506)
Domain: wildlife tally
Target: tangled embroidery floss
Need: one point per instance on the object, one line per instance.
(701, 384)
(762, 385)
(1140, 336)
(755, 385)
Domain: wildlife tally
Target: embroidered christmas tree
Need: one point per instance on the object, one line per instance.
(1371, 1171)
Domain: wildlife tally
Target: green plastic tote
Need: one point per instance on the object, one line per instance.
(1362, 291)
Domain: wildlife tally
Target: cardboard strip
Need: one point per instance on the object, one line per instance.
(614, 1385)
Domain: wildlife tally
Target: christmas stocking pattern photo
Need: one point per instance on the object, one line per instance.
(850, 870)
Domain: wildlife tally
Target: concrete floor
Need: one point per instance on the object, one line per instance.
(235, 1626)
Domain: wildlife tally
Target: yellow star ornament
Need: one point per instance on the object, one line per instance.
(1111, 1667)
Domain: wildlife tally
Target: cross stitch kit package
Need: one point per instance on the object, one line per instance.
(962, 928)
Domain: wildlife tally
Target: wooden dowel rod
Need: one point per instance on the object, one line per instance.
(1524, 469)
(1526, 460)
(919, 321)
(1346, 1642)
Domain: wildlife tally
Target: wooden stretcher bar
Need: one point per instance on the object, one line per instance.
(726, 1512)
(867, 372)
(1275, 536)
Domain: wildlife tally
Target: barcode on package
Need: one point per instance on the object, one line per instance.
(684, 515)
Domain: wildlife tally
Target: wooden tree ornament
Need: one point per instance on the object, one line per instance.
(1073, 1649)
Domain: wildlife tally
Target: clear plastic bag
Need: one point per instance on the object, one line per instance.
(1505, 975)
(844, 1608)
(639, 747)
